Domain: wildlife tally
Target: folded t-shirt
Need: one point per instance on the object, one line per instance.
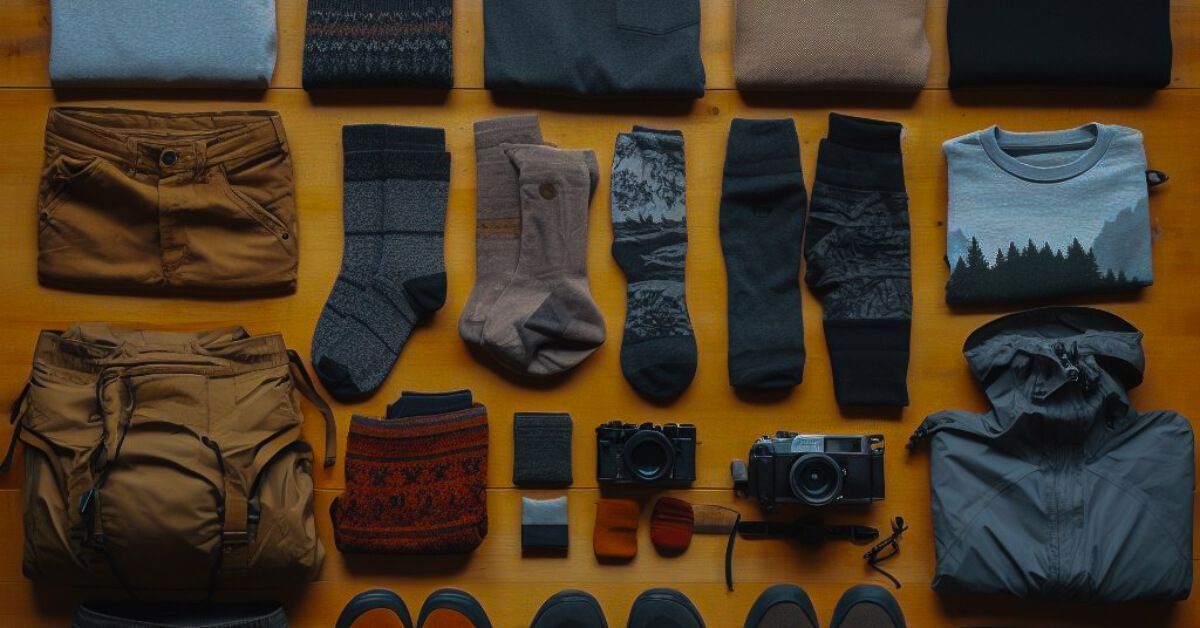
(1040, 216)
(861, 45)
(142, 43)
(1120, 43)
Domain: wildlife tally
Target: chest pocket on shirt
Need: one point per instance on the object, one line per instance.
(657, 17)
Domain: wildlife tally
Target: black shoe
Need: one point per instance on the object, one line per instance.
(664, 608)
(867, 606)
(371, 600)
(782, 605)
(454, 601)
(570, 609)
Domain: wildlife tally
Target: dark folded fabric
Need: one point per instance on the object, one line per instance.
(417, 403)
(1121, 43)
(379, 43)
(594, 47)
(542, 449)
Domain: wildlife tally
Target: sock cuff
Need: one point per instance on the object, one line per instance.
(879, 136)
(869, 360)
(375, 137)
(662, 141)
(762, 140)
(523, 129)
(419, 165)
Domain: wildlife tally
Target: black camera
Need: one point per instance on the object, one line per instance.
(646, 454)
(813, 470)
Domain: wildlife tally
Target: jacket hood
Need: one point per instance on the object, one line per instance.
(1070, 364)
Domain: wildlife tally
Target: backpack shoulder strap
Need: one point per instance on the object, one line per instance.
(305, 385)
(18, 407)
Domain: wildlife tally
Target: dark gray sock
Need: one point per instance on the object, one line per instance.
(649, 213)
(363, 147)
(542, 449)
(409, 282)
(763, 204)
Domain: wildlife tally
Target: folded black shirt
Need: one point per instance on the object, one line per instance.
(1118, 43)
(594, 47)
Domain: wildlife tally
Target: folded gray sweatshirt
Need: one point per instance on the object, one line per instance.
(184, 43)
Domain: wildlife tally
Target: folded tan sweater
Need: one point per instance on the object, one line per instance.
(876, 45)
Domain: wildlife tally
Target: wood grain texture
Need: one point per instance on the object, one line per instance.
(435, 359)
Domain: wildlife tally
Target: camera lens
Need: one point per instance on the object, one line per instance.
(816, 479)
(649, 456)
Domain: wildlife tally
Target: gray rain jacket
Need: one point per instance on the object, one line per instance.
(1063, 490)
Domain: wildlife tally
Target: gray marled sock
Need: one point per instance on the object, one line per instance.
(370, 316)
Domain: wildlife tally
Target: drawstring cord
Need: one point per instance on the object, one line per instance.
(891, 545)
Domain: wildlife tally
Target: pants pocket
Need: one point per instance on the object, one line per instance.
(657, 17)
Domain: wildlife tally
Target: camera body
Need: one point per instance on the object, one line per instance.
(646, 454)
(814, 470)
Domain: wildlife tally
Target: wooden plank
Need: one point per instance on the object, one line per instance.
(25, 43)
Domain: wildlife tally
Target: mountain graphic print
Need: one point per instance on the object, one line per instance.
(1037, 216)
(1116, 259)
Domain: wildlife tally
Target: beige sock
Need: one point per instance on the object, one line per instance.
(546, 321)
(497, 215)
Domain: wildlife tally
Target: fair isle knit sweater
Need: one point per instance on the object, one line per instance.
(379, 43)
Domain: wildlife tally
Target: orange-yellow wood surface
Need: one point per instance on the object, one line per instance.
(511, 588)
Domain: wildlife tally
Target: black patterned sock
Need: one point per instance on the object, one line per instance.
(762, 224)
(649, 213)
(378, 43)
(859, 259)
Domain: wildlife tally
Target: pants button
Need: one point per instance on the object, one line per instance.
(169, 157)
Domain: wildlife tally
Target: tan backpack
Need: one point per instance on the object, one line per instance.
(167, 462)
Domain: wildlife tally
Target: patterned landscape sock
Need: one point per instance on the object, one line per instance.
(762, 224)
(379, 43)
(546, 321)
(859, 260)
(497, 217)
(409, 282)
(649, 213)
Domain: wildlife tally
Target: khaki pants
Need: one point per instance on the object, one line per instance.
(157, 203)
(167, 461)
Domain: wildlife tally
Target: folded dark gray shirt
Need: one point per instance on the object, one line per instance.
(594, 47)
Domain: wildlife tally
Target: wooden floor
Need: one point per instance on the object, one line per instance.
(435, 359)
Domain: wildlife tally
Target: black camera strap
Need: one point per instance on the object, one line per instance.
(806, 532)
